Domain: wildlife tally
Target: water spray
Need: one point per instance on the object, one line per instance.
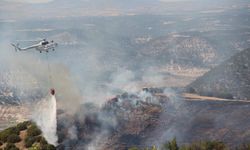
(44, 115)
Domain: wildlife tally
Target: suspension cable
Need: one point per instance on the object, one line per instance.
(50, 81)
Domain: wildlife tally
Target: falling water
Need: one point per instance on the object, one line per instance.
(45, 117)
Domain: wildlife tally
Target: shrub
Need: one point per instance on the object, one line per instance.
(38, 139)
(36, 146)
(43, 141)
(133, 148)
(1, 143)
(208, 145)
(9, 131)
(29, 141)
(33, 131)
(22, 126)
(10, 146)
(172, 145)
(48, 147)
(13, 138)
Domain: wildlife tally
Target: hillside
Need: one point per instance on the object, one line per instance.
(151, 119)
(183, 49)
(11, 115)
(229, 80)
(25, 135)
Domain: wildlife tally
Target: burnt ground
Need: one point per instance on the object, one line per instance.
(145, 123)
(191, 121)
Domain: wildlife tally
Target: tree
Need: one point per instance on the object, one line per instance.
(48, 147)
(29, 141)
(33, 131)
(35, 146)
(154, 148)
(13, 138)
(10, 146)
(9, 131)
(207, 145)
(171, 145)
(23, 126)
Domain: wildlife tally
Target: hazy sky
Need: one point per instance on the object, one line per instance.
(46, 1)
(25, 9)
(29, 1)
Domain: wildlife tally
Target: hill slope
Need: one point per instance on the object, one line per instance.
(229, 80)
(23, 136)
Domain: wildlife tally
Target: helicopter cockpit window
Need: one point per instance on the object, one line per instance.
(45, 43)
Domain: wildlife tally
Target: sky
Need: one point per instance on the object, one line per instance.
(47, 1)
(17, 9)
(29, 1)
(30, 9)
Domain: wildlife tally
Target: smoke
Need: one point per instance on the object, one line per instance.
(28, 75)
(44, 114)
(72, 132)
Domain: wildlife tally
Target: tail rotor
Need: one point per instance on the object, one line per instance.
(16, 46)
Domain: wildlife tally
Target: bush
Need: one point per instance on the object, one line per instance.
(10, 146)
(172, 145)
(38, 139)
(43, 141)
(13, 138)
(23, 126)
(29, 141)
(208, 145)
(9, 131)
(48, 147)
(1, 143)
(36, 146)
(133, 148)
(33, 131)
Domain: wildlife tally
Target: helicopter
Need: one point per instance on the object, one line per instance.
(42, 46)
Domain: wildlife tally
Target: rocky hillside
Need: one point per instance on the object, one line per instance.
(119, 124)
(10, 115)
(152, 118)
(229, 80)
(181, 49)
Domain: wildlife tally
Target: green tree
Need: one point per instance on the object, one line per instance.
(171, 145)
(205, 145)
(33, 130)
(153, 147)
(35, 146)
(13, 138)
(9, 131)
(22, 126)
(29, 141)
(48, 147)
(10, 146)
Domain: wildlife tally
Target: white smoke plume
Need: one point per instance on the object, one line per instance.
(44, 115)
